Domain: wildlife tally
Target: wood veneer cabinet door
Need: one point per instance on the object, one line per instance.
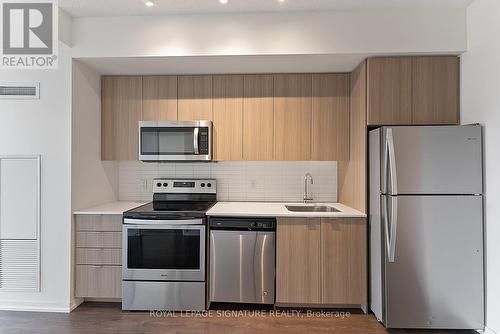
(292, 116)
(121, 112)
(159, 98)
(389, 96)
(343, 261)
(98, 281)
(228, 117)
(298, 272)
(330, 117)
(258, 117)
(351, 177)
(194, 97)
(436, 90)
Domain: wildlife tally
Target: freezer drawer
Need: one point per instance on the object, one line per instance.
(242, 266)
(434, 274)
(431, 160)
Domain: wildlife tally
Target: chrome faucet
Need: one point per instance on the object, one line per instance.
(307, 196)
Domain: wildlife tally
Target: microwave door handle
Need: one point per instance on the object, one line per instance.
(195, 140)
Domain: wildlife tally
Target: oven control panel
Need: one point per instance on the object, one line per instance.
(196, 186)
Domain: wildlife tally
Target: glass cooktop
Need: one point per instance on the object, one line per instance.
(170, 209)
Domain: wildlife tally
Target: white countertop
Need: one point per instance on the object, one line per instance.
(113, 208)
(273, 209)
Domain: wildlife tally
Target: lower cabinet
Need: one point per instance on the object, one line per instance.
(321, 261)
(344, 261)
(96, 281)
(298, 261)
(98, 256)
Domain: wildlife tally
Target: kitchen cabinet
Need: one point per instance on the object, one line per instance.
(228, 117)
(121, 112)
(389, 90)
(292, 116)
(159, 98)
(435, 90)
(194, 97)
(321, 261)
(298, 273)
(98, 256)
(330, 117)
(352, 178)
(96, 281)
(258, 117)
(343, 261)
(413, 90)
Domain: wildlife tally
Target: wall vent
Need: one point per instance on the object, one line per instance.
(19, 91)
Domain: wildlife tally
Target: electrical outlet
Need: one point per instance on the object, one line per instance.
(253, 183)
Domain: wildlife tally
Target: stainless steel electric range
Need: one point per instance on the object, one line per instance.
(164, 247)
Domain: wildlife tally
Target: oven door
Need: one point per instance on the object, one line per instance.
(163, 250)
(175, 140)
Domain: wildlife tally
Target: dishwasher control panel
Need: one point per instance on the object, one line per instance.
(267, 224)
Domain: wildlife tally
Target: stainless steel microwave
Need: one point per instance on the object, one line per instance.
(175, 141)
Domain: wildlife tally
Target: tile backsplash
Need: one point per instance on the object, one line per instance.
(236, 180)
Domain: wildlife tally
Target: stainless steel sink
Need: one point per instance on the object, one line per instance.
(311, 208)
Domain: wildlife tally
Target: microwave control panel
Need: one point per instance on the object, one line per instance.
(203, 141)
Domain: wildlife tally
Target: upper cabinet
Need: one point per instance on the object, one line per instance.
(436, 90)
(389, 90)
(258, 117)
(413, 90)
(194, 97)
(292, 116)
(228, 117)
(121, 112)
(330, 117)
(159, 98)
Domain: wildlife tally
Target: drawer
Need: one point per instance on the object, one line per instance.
(109, 256)
(98, 281)
(99, 223)
(99, 239)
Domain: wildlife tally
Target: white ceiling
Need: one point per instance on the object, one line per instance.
(223, 64)
(89, 8)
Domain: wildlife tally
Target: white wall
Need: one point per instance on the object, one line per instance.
(480, 91)
(341, 32)
(269, 181)
(44, 127)
(93, 181)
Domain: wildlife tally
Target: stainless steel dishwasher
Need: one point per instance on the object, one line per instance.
(242, 260)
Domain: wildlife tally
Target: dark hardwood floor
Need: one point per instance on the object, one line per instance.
(108, 318)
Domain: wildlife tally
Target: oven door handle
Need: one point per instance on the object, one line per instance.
(128, 221)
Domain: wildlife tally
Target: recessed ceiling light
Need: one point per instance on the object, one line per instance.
(281, 1)
(149, 3)
(223, 2)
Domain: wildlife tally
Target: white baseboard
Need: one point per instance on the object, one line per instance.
(27, 306)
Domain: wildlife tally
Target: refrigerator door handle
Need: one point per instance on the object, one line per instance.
(392, 161)
(385, 218)
(394, 225)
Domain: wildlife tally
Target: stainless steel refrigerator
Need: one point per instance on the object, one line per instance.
(426, 226)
